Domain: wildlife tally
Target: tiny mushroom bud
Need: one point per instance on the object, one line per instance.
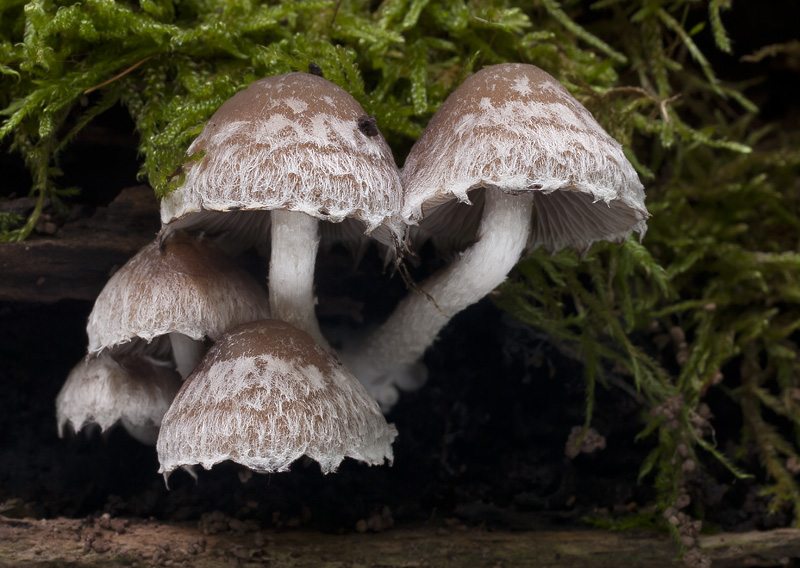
(290, 148)
(188, 291)
(540, 171)
(133, 391)
(265, 395)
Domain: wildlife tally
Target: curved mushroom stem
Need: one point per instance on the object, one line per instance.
(186, 352)
(295, 240)
(390, 356)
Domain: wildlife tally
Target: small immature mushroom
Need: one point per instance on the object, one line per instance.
(133, 391)
(549, 176)
(265, 395)
(289, 146)
(188, 291)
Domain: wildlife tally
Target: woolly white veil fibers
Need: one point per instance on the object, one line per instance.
(103, 391)
(290, 142)
(190, 287)
(514, 127)
(264, 396)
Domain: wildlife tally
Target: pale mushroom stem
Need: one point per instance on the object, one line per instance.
(295, 240)
(186, 352)
(389, 356)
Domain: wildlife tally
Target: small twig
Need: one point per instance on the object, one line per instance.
(627, 89)
(335, 13)
(125, 72)
(663, 106)
(416, 288)
(662, 103)
(788, 48)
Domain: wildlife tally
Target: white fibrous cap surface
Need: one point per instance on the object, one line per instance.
(264, 396)
(514, 127)
(102, 391)
(190, 287)
(290, 142)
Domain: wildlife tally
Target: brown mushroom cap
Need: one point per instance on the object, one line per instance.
(190, 288)
(265, 395)
(104, 391)
(290, 142)
(514, 127)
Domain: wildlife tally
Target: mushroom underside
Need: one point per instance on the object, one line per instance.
(232, 231)
(561, 219)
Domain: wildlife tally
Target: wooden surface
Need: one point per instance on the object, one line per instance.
(78, 259)
(126, 542)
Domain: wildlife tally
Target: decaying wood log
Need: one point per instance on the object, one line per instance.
(112, 542)
(76, 262)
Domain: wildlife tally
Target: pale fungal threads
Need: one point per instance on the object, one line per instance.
(512, 139)
(290, 147)
(265, 395)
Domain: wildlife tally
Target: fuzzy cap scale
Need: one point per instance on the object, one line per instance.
(190, 287)
(290, 142)
(514, 127)
(104, 391)
(265, 395)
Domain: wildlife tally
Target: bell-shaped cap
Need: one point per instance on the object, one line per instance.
(190, 288)
(265, 395)
(514, 127)
(103, 391)
(296, 142)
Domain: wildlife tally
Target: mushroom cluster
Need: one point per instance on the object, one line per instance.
(149, 327)
(189, 352)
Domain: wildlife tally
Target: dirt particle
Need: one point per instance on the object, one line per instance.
(196, 546)
(315, 69)
(368, 125)
(241, 552)
(583, 442)
(100, 546)
(214, 523)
